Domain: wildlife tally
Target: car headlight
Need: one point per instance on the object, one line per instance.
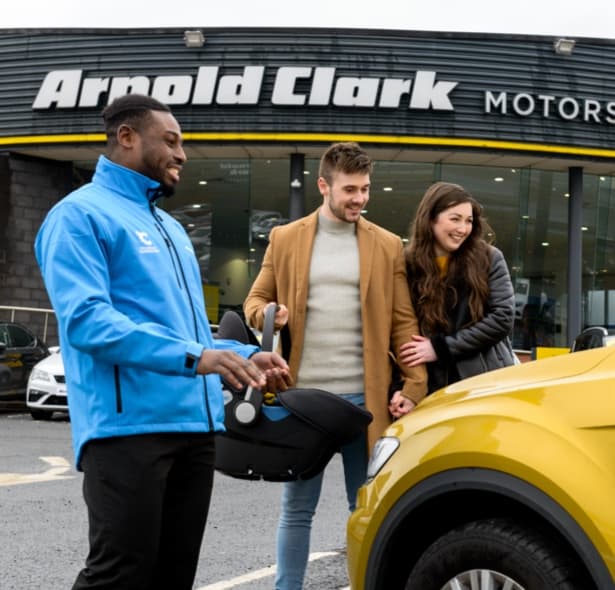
(40, 375)
(383, 451)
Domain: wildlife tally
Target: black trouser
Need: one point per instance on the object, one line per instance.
(147, 498)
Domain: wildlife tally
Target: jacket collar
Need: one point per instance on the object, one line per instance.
(127, 182)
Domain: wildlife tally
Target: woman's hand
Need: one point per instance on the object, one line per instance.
(418, 351)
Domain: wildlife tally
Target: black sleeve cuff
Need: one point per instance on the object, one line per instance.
(190, 362)
(440, 348)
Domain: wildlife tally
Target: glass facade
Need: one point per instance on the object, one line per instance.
(228, 206)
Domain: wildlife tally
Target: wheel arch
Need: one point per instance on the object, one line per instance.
(451, 498)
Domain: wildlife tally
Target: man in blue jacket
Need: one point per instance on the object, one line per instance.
(142, 369)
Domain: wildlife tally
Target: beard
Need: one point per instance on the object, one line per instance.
(167, 190)
(339, 211)
(153, 168)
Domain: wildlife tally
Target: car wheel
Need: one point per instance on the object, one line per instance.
(41, 415)
(495, 554)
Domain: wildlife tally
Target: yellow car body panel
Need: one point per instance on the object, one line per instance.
(548, 423)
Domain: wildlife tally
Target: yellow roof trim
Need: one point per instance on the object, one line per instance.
(453, 142)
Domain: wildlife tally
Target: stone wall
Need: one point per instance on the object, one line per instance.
(29, 187)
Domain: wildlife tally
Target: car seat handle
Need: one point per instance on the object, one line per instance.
(269, 327)
(248, 409)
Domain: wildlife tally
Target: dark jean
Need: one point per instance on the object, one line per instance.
(147, 498)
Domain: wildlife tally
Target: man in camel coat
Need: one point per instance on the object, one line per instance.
(340, 284)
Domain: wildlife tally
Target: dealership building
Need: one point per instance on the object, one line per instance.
(525, 123)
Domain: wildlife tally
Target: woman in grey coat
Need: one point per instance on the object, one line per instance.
(460, 288)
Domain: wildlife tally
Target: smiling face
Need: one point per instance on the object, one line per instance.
(345, 197)
(151, 145)
(159, 151)
(451, 228)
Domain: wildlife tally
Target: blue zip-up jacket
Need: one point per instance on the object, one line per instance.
(124, 282)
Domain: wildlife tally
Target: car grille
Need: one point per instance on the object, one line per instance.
(56, 400)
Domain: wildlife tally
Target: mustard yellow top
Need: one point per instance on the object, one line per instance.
(442, 262)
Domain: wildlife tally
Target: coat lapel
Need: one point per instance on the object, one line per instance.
(303, 248)
(365, 238)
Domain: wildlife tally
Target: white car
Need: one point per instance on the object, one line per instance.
(46, 392)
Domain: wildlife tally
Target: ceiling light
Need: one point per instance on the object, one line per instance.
(498, 179)
(194, 38)
(564, 46)
(387, 189)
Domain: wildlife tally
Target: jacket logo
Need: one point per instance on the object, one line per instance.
(148, 246)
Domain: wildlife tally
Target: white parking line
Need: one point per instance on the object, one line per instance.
(259, 574)
(59, 466)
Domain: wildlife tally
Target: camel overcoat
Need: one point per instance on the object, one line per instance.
(388, 319)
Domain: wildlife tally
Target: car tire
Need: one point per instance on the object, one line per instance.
(496, 553)
(41, 415)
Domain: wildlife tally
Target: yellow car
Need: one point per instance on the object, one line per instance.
(505, 481)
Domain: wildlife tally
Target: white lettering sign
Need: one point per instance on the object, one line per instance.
(306, 86)
(293, 86)
(547, 106)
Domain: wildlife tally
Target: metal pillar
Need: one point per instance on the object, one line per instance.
(296, 195)
(575, 254)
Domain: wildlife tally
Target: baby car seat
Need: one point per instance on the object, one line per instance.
(292, 438)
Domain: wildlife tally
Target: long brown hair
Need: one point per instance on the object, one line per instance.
(468, 266)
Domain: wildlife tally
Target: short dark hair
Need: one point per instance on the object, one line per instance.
(130, 109)
(348, 157)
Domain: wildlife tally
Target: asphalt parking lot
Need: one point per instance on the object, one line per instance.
(44, 530)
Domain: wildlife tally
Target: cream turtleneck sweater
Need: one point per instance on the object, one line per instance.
(332, 356)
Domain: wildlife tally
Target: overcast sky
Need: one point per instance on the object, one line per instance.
(574, 18)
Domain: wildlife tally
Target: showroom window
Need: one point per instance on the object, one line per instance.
(599, 251)
(229, 206)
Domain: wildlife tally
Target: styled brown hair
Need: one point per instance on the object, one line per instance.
(348, 157)
(468, 266)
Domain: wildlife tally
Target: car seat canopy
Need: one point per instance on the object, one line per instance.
(331, 414)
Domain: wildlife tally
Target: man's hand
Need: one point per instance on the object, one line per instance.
(233, 368)
(281, 314)
(275, 369)
(400, 405)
